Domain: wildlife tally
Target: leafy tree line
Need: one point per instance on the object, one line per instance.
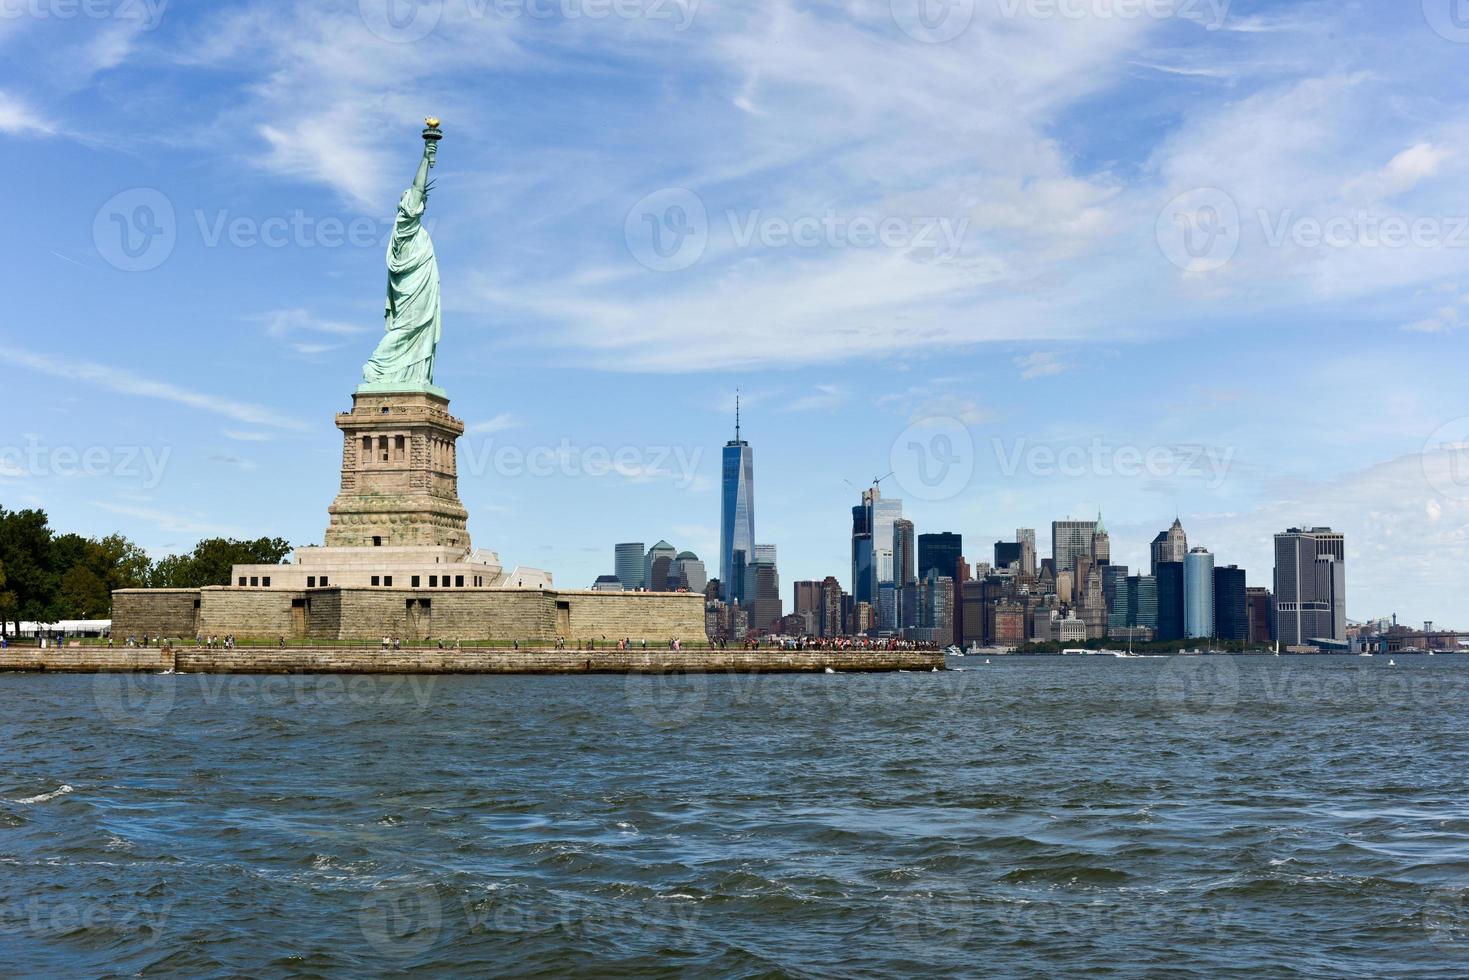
(46, 576)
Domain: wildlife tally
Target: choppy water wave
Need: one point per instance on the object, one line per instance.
(1169, 817)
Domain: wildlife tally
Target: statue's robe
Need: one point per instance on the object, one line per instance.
(412, 316)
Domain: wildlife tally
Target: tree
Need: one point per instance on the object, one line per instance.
(25, 550)
(82, 595)
(7, 602)
(213, 559)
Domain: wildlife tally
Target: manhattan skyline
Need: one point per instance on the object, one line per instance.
(1296, 385)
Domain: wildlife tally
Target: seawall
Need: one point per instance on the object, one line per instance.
(373, 660)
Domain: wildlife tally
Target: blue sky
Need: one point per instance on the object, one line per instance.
(1186, 257)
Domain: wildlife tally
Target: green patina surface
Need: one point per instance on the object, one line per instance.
(404, 359)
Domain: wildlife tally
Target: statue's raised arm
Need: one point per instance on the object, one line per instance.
(404, 359)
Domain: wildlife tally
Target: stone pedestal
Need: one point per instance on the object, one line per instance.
(400, 481)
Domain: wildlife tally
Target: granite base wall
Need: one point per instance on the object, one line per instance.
(155, 612)
(411, 615)
(363, 660)
(85, 660)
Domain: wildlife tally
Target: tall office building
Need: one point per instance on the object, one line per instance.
(1114, 593)
(1142, 602)
(808, 599)
(886, 512)
(1231, 611)
(905, 561)
(905, 576)
(1101, 543)
(737, 510)
(1262, 613)
(1071, 540)
(862, 570)
(689, 572)
(831, 618)
(941, 551)
(1310, 586)
(1025, 537)
(1007, 553)
(762, 595)
(1169, 576)
(1170, 545)
(1198, 594)
(627, 564)
(657, 565)
(872, 543)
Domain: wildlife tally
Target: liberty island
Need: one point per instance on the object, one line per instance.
(397, 585)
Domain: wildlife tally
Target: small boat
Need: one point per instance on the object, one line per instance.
(830, 671)
(1392, 663)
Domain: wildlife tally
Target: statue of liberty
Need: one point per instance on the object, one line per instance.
(404, 359)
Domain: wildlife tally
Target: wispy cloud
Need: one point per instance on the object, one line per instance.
(499, 423)
(124, 382)
(18, 118)
(1041, 364)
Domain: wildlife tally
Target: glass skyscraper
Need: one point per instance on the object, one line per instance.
(737, 512)
(1198, 594)
(628, 564)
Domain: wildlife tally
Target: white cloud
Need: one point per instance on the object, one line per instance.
(124, 382)
(499, 423)
(18, 118)
(1040, 364)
